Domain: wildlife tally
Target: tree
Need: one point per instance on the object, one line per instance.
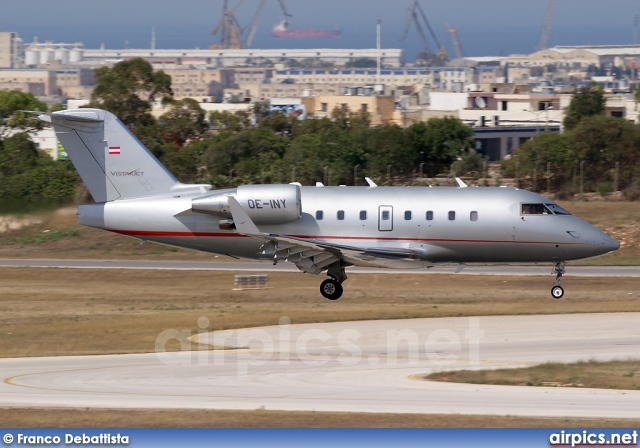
(31, 176)
(184, 121)
(602, 141)
(331, 149)
(636, 95)
(471, 163)
(548, 147)
(586, 101)
(231, 122)
(12, 117)
(18, 154)
(386, 146)
(241, 151)
(438, 142)
(129, 89)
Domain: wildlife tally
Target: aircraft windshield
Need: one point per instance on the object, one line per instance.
(556, 209)
(543, 209)
(535, 209)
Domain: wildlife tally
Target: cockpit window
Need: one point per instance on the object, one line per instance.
(556, 209)
(535, 209)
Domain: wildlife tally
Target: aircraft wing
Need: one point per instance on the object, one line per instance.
(312, 256)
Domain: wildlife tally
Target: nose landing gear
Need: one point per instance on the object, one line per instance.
(557, 291)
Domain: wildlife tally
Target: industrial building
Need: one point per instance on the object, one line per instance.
(447, 78)
(67, 83)
(391, 57)
(580, 56)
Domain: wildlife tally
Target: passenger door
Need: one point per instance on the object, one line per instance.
(385, 218)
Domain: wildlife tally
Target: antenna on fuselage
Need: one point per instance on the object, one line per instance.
(371, 183)
(461, 183)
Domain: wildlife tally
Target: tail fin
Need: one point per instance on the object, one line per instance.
(111, 161)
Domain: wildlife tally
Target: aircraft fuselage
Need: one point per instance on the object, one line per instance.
(418, 226)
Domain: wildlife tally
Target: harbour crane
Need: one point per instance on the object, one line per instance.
(284, 10)
(544, 36)
(230, 29)
(253, 25)
(414, 18)
(233, 35)
(456, 42)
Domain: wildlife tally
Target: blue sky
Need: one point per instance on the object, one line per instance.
(486, 27)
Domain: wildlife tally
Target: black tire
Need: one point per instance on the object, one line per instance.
(557, 292)
(331, 289)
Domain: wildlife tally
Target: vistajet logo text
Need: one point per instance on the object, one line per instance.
(134, 173)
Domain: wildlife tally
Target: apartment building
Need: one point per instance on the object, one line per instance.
(11, 50)
(381, 109)
(199, 83)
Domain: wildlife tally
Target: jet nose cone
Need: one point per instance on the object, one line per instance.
(610, 244)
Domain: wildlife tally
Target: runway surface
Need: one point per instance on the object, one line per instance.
(253, 266)
(350, 366)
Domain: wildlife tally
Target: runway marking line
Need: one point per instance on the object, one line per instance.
(9, 380)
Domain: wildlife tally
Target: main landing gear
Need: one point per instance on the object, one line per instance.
(557, 292)
(331, 288)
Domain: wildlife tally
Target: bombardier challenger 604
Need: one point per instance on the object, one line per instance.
(318, 228)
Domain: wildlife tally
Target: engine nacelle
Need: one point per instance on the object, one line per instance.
(265, 204)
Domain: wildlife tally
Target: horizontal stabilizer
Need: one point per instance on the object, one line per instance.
(86, 117)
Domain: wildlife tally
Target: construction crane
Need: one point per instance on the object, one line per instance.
(284, 10)
(544, 36)
(253, 25)
(456, 42)
(414, 10)
(233, 35)
(230, 29)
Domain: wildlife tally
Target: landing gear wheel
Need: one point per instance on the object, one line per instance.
(557, 292)
(331, 289)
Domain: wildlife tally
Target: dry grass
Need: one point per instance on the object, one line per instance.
(76, 241)
(74, 311)
(74, 418)
(621, 220)
(604, 375)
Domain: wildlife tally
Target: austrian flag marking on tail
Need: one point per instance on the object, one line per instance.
(114, 150)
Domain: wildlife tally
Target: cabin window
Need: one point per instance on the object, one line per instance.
(363, 215)
(430, 215)
(474, 216)
(535, 209)
(340, 215)
(319, 215)
(385, 215)
(452, 216)
(407, 215)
